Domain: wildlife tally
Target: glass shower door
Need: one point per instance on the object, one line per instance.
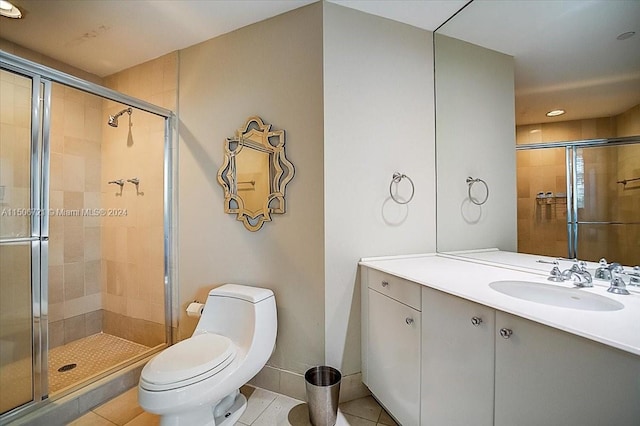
(21, 339)
(607, 202)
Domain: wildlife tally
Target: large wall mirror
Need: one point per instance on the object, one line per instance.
(576, 181)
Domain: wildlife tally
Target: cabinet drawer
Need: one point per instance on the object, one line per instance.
(403, 291)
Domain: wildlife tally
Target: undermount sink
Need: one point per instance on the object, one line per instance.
(573, 298)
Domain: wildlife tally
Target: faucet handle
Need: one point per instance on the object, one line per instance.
(616, 268)
(556, 275)
(618, 286)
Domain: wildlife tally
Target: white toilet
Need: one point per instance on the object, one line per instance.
(195, 382)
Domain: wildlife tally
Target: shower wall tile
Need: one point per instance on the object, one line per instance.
(93, 322)
(73, 114)
(93, 119)
(73, 203)
(74, 146)
(133, 244)
(56, 245)
(72, 173)
(74, 328)
(92, 243)
(93, 277)
(56, 284)
(56, 334)
(56, 181)
(73, 280)
(82, 305)
(73, 244)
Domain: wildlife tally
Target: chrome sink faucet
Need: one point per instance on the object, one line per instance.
(579, 275)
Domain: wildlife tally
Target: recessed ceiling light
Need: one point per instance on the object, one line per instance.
(9, 10)
(626, 35)
(555, 113)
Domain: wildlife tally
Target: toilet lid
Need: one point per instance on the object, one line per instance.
(190, 358)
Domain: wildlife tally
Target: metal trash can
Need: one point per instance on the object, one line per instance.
(323, 392)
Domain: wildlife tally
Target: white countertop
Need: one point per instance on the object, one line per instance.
(469, 279)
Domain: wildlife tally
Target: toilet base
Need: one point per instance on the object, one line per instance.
(204, 416)
(233, 414)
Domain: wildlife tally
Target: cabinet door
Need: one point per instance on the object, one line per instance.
(548, 377)
(457, 361)
(394, 357)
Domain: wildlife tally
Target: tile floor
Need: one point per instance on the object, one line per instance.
(265, 408)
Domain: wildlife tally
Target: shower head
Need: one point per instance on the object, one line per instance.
(113, 119)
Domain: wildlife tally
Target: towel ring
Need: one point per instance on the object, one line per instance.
(397, 177)
(471, 181)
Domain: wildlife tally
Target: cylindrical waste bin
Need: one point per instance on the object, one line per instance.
(323, 392)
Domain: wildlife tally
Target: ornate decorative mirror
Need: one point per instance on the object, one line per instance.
(255, 173)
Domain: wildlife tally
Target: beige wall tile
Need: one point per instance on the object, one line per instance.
(56, 284)
(93, 277)
(73, 280)
(72, 173)
(73, 244)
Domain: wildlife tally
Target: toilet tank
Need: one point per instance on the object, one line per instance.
(235, 311)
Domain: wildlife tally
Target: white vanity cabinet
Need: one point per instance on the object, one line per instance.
(481, 366)
(457, 361)
(391, 343)
(544, 376)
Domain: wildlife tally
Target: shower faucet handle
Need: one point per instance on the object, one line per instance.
(134, 181)
(117, 182)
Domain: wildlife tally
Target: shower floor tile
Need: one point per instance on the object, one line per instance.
(92, 355)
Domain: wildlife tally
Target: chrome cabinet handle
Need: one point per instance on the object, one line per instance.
(476, 321)
(385, 283)
(408, 320)
(506, 332)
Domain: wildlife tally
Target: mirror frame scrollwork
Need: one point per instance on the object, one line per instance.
(256, 135)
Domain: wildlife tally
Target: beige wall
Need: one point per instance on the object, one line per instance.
(378, 119)
(272, 69)
(133, 243)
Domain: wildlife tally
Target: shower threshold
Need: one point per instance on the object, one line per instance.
(94, 357)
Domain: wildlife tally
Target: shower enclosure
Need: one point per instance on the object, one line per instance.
(85, 213)
(580, 199)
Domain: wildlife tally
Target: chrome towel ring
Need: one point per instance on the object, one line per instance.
(471, 181)
(397, 177)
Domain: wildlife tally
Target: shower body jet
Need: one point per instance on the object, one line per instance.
(113, 119)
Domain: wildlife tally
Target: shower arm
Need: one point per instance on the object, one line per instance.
(127, 110)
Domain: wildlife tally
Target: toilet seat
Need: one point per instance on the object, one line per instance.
(189, 361)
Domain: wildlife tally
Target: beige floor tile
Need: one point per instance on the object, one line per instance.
(257, 401)
(365, 408)
(145, 419)
(385, 419)
(277, 413)
(357, 421)
(121, 409)
(91, 419)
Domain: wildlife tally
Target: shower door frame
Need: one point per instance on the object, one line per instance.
(571, 149)
(40, 144)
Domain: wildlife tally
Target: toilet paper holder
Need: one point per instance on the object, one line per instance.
(195, 309)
